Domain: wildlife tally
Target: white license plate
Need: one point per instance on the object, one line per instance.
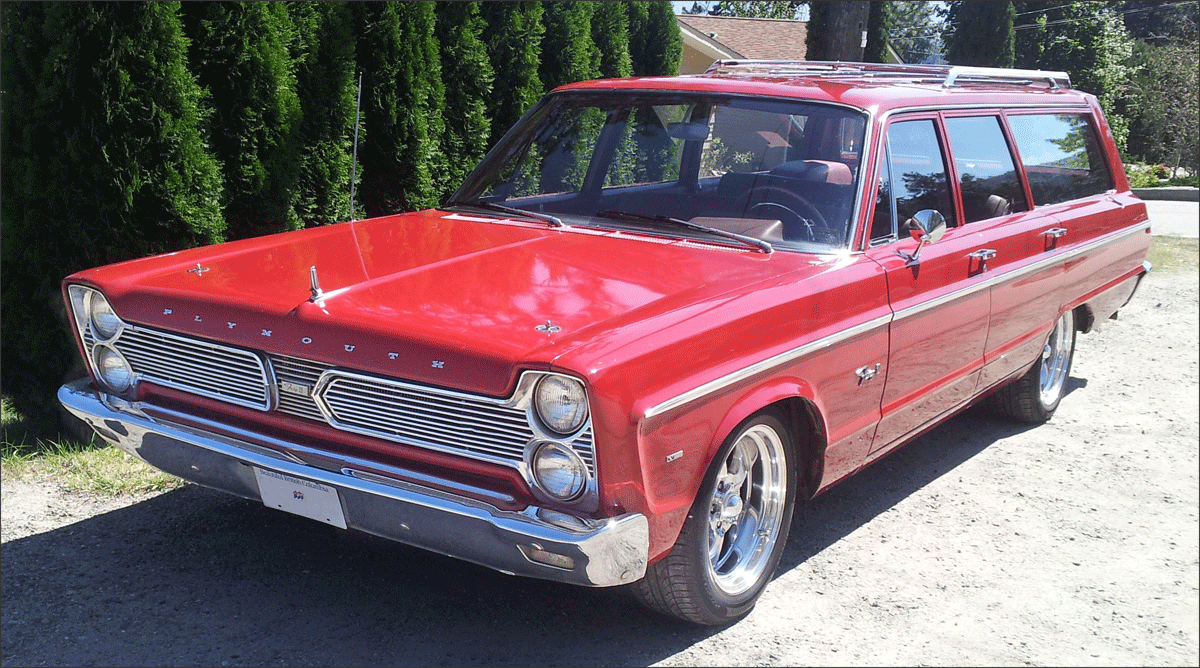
(302, 497)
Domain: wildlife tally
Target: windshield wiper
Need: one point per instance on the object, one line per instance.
(758, 244)
(511, 210)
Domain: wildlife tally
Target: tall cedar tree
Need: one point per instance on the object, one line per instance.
(878, 26)
(568, 52)
(323, 51)
(468, 76)
(401, 89)
(513, 35)
(610, 32)
(103, 161)
(980, 33)
(240, 55)
(655, 43)
(817, 40)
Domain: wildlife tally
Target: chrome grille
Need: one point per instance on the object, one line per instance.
(200, 367)
(473, 426)
(293, 374)
(488, 429)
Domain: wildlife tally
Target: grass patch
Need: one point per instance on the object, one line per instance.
(92, 467)
(1174, 254)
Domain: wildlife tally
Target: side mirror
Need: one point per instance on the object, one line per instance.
(927, 226)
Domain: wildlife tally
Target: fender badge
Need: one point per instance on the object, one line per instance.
(548, 328)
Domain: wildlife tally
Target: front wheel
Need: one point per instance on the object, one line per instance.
(1034, 396)
(735, 532)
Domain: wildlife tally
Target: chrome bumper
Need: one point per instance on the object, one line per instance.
(597, 553)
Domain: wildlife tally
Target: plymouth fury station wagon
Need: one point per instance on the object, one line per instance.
(659, 314)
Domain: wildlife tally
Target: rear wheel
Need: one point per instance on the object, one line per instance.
(735, 532)
(1034, 396)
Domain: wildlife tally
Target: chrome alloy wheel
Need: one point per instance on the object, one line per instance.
(1056, 360)
(746, 510)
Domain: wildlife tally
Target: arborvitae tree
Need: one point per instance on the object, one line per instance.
(878, 26)
(513, 35)
(467, 75)
(568, 52)
(240, 55)
(399, 93)
(107, 163)
(610, 32)
(980, 33)
(326, 87)
(816, 38)
(655, 44)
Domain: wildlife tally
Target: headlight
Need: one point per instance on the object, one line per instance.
(105, 322)
(559, 471)
(561, 404)
(112, 368)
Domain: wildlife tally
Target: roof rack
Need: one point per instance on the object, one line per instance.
(949, 75)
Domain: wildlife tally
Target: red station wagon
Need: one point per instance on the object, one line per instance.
(660, 313)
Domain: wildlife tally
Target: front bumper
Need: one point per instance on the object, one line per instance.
(597, 553)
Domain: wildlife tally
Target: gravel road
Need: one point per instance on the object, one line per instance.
(982, 543)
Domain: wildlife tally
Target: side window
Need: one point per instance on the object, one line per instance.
(882, 226)
(918, 171)
(1061, 155)
(986, 171)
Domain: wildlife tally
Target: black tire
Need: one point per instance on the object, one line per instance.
(1034, 396)
(714, 582)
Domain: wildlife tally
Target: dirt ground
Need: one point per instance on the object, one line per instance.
(982, 543)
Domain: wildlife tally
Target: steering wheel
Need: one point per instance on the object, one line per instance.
(773, 201)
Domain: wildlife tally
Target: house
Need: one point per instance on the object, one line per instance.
(709, 38)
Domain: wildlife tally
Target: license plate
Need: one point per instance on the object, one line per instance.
(301, 497)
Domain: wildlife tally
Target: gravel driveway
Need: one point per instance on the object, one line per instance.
(982, 543)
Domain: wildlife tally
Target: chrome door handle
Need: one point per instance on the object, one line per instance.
(1055, 232)
(866, 373)
(983, 255)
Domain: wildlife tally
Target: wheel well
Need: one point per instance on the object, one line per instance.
(1085, 319)
(803, 422)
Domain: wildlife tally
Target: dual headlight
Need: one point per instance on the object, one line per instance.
(99, 325)
(561, 409)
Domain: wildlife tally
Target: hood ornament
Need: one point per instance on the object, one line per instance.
(315, 285)
(548, 328)
(198, 269)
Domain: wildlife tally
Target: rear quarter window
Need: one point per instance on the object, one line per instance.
(1062, 156)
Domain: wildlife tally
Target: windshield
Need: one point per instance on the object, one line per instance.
(776, 170)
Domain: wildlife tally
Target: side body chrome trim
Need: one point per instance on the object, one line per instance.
(833, 339)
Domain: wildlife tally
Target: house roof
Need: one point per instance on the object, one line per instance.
(749, 38)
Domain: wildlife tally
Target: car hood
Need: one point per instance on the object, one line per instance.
(457, 300)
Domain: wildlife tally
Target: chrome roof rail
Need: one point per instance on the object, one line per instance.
(949, 75)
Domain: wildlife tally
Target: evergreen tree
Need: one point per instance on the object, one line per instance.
(761, 9)
(467, 75)
(816, 39)
(914, 29)
(878, 26)
(398, 93)
(326, 88)
(568, 52)
(655, 43)
(240, 55)
(513, 36)
(610, 32)
(103, 160)
(980, 33)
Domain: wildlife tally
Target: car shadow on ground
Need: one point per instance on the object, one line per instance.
(196, 577)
